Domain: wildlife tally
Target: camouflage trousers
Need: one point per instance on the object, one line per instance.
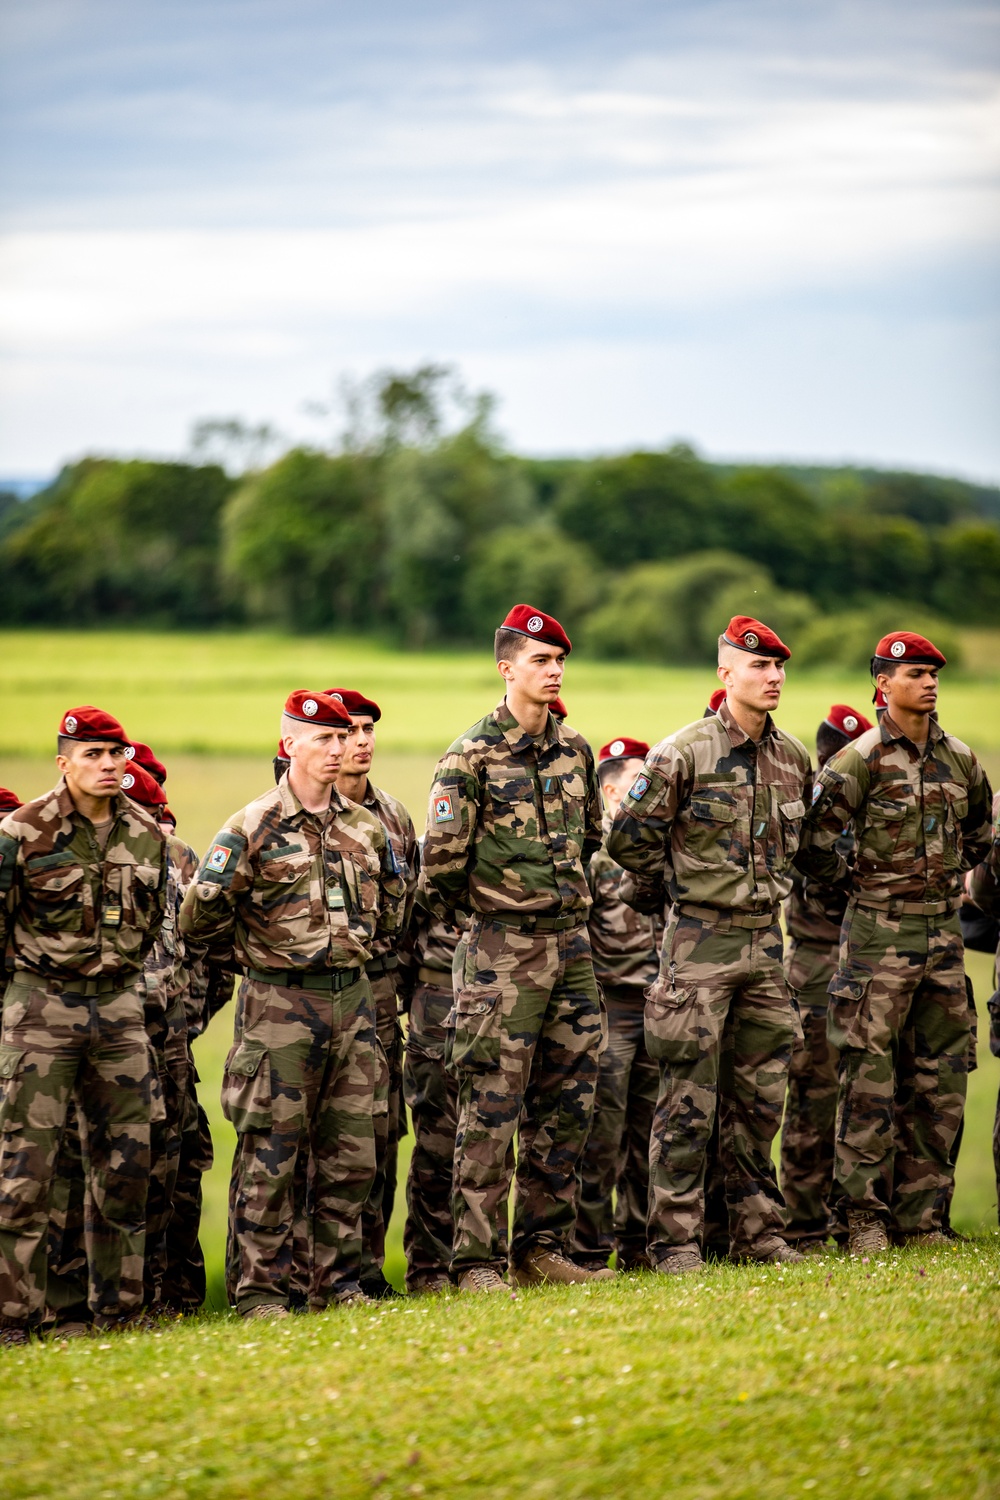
(809, 1127)
(432, 1098)
(528, 1030)
(390, 1124)
(60, 1044)
(183, 1285)
(720, 1022)
(299, 1082)
(899, 1017)
(616, 1157)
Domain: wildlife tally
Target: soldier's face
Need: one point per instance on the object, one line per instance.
(93, 768)
(615, 787)
(360, 747)
(537, 673)
(754, 681)
(318, 753)
(912, 689)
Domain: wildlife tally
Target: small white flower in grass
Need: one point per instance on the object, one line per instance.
(625, 1369)
(823, 1316)
(104, 1346)
(809, 1484)
(577, 1421)
(863, 1471)
(892, 1364)
(331, 1395)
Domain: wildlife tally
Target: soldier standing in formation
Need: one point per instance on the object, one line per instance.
(514, 818)
(295, 888)
(919, 804)
(626, 949)
(813, 917)
(711, 823)
(82, 892)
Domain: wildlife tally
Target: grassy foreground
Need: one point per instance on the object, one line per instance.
(850, 1379)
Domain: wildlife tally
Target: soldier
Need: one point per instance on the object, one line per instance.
(295, 887)
(813, 917)
(718, 697)
(355, 783)
(984, 889)
(82, 885)
(626, 948)
(713, 820)
(514, 818)
(919, 805)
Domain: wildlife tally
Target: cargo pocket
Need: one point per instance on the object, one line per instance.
(10, 1085)
(602, 1045)
(246, 1088)
(475, 1029)
(670, 1022)
(850, 1011)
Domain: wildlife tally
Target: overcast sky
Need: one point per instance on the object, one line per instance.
(769, 227)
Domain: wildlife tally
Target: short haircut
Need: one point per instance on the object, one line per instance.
(614, 770)
(64, 744)
(829, 741)
(884, 666)
(508, 644)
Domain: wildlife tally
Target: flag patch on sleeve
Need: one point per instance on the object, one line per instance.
(444, 811)
(218, 859)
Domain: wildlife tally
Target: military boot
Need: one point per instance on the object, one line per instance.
(351, 1295)
(13, 1335)
(866, 1233)
(774, 1251)
(481, 1279)
(682, 1262)
(267, 1311)
(543, 1265)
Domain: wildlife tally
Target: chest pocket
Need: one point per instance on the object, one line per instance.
(791, 815)
(283, 877)
(54, 891)
(955, 807)
(884, 822)
(712, 824)
(512, 802)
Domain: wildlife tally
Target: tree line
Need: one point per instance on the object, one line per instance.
(424, 531)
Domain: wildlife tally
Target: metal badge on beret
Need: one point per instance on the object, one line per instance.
(70, 724)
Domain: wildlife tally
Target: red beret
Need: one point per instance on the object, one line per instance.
(281, 753)
(538, 627)
(316, 708)
(8, 802)
(904, 645)
(89, 723)
(716, 701)
(847, 721)
(879, 699)
(144, 757)
(355, 703)
(143, 788)
(559, 709)
(624, 749)
(166, 816)
(747, 634)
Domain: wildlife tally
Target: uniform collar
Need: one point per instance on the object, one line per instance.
(738, 735)
(891, 732)
(518, 738)
(291, 807)
(67, 808)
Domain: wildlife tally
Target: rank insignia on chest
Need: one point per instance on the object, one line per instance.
(444, 812)
(111, 916)
(335, 898)
(218, 859)
(639, 788)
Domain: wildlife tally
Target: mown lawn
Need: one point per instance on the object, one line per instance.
(847, 1379)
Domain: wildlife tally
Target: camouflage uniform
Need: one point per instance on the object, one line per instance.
(812, 917)
(714, 818)
(626, 949)
(986, 894)
(898, 1006)
(76, 922)
(513, 821)
(297, 897)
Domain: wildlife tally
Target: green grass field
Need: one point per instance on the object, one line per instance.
(849, 1380)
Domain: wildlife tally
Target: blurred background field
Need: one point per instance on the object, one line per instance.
(209, 705)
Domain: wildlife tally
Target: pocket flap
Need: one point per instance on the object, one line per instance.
(246, 1059)
(886, 812)
(10, 1061)
(848, 986)
(795, 809)
(713, 810)
(475, 1002)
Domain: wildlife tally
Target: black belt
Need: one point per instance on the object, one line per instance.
(299, 979)
(527, 922)
(384, 964)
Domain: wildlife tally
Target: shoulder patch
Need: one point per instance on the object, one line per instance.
(8, 861)
(639, 788)
(219, 863)
(444, 808)
(817, 792)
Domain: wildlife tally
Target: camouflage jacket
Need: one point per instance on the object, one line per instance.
(714, 818)
(284, 888)
(430, 943)
(814, 913)
(919, 818)
(69, 907)
(625, 944)
(402, 836)
(513, 823)
(176, 967)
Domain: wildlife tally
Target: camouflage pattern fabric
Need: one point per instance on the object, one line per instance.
(525, 1035)
(898, 1006)
(712, 823)
(292, 893)
(985, 891)
(432, 1099)
(61, 1044)
(183, 1280)
(513, 823)
(626, 950)
(300, 1077)
(616, 1157)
